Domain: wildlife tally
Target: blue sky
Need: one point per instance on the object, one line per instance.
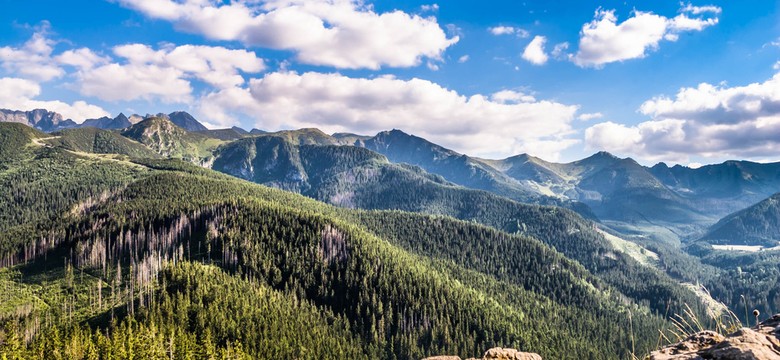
(666, 81)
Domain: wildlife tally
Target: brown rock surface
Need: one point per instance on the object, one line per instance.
(509, 354)
(758, 343)
(688, 347)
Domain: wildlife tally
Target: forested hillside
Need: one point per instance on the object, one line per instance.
(756, 225)
(175, 252)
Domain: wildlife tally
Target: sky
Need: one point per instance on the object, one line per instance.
(686, 83)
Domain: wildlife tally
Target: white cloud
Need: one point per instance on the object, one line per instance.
(684, 23)
(431, 7)
(83, 58)
(696, 10)
(776, 66)
(559, 51)
(33, 59)
(501, 30)
(534, 52)
(20, 94)
(505, 123)
(707, 121)
(509, 30)
(166, 73)
(463, 59)
(511, 97)
(590, 116)
(338, 33)
(114, 82)
(603, 40)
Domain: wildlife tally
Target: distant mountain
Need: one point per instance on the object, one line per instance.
(722, 188)
(623, 190)
(40, 119)
(169, 140)
(350, 138)
(601, 186)
(186, 121)
(225, 134)
(335, 174)
(240, 130)
(756, 225)
(119, 122)
(460, 169)
(308, 136)
(135, 118)
(179, 118)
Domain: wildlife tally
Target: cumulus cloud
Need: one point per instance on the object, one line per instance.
(708, 121)
(20, 94)
(463, 59)
(505, 123)
(33, 59)
(604, 40)
(509, 30)
(534, 51)
(83, 59)
(166, 73)
(590, 116)
(338, 33)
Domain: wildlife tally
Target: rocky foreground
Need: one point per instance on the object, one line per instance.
(494, 354)
(760, 342)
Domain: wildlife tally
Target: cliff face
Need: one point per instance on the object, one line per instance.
(760, 342)
(40, 119)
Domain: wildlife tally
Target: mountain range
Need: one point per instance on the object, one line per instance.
(397, 242)
(622, 192)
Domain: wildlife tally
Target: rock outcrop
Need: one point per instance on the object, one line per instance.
(496, 353)
(761, 342)
(40, 119)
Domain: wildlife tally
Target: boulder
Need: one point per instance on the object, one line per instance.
(745, 344)
(758, 343)
(509, 354)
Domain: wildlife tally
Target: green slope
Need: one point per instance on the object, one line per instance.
(397, 299)
(359, 178)
(97, 141)
(756, 225)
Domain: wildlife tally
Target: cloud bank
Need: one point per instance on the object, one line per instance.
(21, 94)
(339, 33)
(506, 123)
(708, 121)
(165, 74)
